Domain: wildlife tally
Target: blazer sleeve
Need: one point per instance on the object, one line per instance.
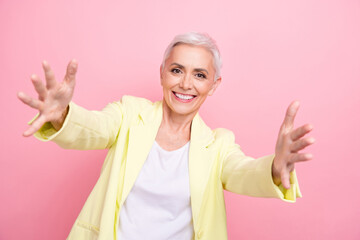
(84, 129)
(248, 176)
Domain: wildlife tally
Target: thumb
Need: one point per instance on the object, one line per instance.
(285, 179)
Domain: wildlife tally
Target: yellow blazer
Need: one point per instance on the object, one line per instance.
(128, 129)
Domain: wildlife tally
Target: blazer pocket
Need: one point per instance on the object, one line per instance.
(88, 226)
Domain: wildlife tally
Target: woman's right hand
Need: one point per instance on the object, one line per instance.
(54, 97)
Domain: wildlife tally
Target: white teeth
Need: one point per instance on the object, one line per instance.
(185, 97)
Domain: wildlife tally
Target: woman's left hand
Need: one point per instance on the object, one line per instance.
(290, 141)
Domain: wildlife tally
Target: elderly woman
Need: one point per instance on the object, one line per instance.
(165, 171)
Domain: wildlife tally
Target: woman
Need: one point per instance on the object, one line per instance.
(165, 172)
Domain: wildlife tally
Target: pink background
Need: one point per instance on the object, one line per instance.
(273, 52)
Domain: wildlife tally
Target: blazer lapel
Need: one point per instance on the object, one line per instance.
(199, 163)
(141, 139)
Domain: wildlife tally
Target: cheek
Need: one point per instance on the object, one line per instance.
(169, 80)
(164, 81)
(204, 87)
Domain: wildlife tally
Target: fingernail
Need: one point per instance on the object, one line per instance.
(74, 62)
(74, 65)
(44, 63)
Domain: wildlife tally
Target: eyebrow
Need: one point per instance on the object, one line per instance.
(196, 69)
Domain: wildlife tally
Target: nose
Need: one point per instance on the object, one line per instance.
(186, 82)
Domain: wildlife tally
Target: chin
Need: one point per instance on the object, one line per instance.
(179, 108)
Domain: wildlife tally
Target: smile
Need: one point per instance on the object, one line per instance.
(184, 97)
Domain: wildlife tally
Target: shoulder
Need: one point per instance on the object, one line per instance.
(223, 135)
(203, 133)
(128, 102)
(127, 105)
(136, 106)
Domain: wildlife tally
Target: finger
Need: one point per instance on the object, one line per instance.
(285, 179)
(300, 157)
(39, 87)
(290, 114)
(49, 75)
(35, 126)
(34, 103)
(71, 72)
(301, 144)
(301, 131)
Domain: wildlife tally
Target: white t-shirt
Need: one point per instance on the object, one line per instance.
(158, 206)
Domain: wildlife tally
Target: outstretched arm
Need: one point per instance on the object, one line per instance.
(288, 146)
(53, 98)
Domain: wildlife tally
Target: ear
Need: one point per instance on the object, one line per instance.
(215, 85)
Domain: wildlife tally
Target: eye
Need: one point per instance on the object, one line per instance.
(176, 70)
(200, 75)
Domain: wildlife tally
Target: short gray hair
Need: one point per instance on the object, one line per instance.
(198, 39)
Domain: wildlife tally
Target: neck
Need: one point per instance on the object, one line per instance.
(175, 122)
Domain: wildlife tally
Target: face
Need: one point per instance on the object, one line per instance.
(188, 78)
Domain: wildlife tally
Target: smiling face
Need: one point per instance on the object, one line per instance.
(188, 78)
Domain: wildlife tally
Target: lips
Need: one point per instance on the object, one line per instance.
(184, 97)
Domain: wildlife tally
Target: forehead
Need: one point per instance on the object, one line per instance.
(191, 56)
